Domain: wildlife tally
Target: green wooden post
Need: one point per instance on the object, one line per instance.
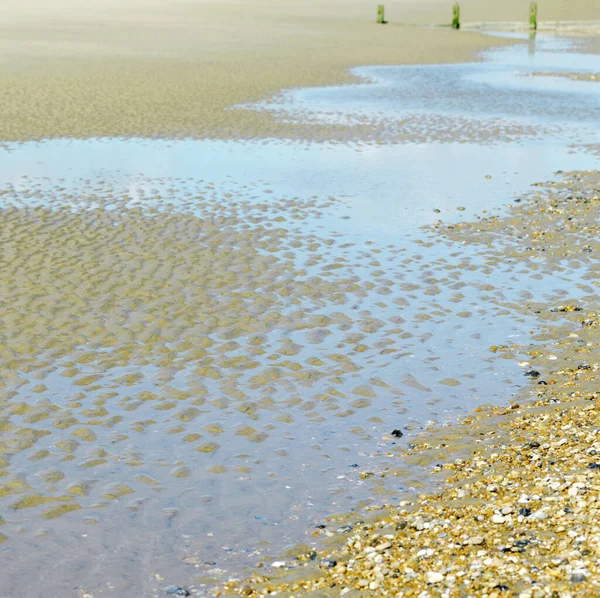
(456, 16)
(533, 16)
(381, 14)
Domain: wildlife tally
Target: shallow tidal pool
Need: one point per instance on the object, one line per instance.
(205, 345)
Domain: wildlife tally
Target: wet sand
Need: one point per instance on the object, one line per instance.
(135, 396)
(201, 365)
(517, 508)
(164, 69)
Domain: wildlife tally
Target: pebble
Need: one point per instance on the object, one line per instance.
(177, 591)
(433, 577)
(538, 515)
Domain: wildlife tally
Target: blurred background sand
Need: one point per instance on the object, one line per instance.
(80, 68)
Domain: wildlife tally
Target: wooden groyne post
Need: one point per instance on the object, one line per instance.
(456, 16)
(533, 16)
(381, 14)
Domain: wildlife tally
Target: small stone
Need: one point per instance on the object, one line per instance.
(329, 563)
(539, 515)
(344, 529)
(532, 374)
(246, 591)
(397, 433)
(578, 577)
(497, 519)
(177, 591)
(278, 564)
(521, 543)
(476, 541)
(433, 577)
(419, 525)
(383, 546)
(525, 512)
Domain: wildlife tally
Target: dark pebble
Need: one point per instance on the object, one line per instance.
(533, 444)
(501, 587)
(567, 510)
(543, 382)
(320, 526)
(593, 465)
(577, 577)
(312, 555)
(525, 512)
(177, 591)
(520, 543)
(353, 465)
(344, 529)
(532, 374)
(397, 433)
(329, 563)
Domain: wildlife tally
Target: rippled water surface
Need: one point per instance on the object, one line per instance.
(206, 345)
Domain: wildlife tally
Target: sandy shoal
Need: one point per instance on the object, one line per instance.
(158, 68)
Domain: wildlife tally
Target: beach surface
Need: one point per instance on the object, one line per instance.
(157, 68)
(236, 338)
(517, 509)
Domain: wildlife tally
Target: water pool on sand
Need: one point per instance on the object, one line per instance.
(200, 339)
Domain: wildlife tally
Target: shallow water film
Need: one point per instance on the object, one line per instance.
(208, 347)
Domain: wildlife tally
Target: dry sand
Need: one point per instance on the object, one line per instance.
(153, 67)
